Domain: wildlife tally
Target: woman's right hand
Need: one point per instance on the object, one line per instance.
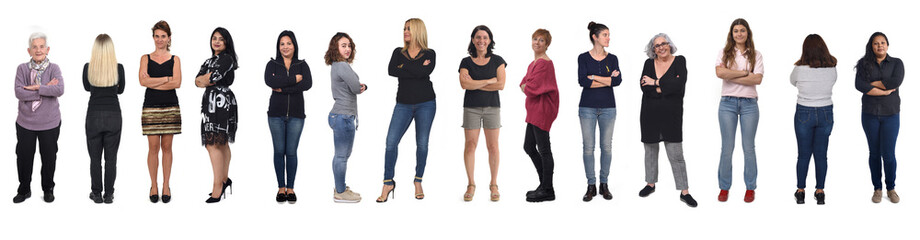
(298, 78)
(427, 61)
(363, 87)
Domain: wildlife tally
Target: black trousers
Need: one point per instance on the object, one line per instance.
(536, 144)
(25, 155)
(103, 135)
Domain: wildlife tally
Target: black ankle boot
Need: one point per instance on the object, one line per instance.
(589, 195)
(606, 192)
(543, 194)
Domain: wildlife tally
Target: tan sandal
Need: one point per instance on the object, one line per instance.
(495, 196)
(468, 196)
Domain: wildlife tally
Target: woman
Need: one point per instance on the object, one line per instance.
(104, 78)
(542, 104)
(288, 77)
(482, 74)
(664, 77)
(39, 83)
(161, 73)
(814, 75)
(411, 65)
(740, 67)
(598, 73)
(878, 77)
(218, 109)
(344, 113)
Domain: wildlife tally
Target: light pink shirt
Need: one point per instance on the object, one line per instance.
(741, 64)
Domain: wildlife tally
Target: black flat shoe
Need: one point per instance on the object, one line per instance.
(799, 197)
(688, 200)
(647, 190)
(21, 197)
(167, 198)
(589, 195)
(291, 198)
(605, 192)
(280, 197)
(154, 198)
(95, 197)
(819, 196)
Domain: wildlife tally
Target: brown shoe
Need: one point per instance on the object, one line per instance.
(877, 196)
(893, 196)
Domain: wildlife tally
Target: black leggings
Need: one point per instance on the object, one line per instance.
(536, 144)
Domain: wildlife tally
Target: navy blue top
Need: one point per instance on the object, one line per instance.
(601, 97)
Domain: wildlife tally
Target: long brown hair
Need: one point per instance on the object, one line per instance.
(815, 53)
(728, 53)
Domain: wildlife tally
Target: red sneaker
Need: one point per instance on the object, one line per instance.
(749, 196)
(723, 195)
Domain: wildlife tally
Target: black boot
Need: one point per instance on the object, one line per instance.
(606, 192)
(543, 194)
(592, 191)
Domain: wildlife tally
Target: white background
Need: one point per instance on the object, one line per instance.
(697, 28)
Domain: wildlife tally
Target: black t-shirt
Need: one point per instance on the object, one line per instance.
(480, 98)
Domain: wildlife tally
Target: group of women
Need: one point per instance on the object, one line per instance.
(482, 75)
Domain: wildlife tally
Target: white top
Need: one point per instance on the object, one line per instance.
(815, 85)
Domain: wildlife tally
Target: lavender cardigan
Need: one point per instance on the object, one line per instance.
(48, 114)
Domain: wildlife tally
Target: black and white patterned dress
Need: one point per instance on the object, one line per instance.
(218, 104)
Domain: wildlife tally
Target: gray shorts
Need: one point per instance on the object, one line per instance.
(482, 117)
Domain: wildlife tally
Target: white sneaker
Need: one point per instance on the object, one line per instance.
(346, 197)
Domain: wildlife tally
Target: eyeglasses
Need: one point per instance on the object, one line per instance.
(662, 44)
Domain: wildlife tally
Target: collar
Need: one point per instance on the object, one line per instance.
(738, 51)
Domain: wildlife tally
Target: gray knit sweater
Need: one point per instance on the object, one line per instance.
(815, 85)
(345, 89)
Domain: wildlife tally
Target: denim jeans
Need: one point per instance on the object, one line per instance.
(882, 135)
(343, 132)
(813, 127)
(403, 114)
(103, 135)
(285, 138)
(730, 110)
(591, 118)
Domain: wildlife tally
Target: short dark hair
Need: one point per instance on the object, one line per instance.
(332, 54)
(815, 53)
(472, 48)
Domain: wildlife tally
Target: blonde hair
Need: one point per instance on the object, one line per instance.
(103, 68)
(418, 32)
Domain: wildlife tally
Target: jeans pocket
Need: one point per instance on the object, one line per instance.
(829, 117)
(331, 120)
(802, 116)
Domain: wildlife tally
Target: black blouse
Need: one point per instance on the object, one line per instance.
(480, 98)
(414, 81)
(661, 116)
(104, 98)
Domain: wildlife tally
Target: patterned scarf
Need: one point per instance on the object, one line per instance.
(37, 70)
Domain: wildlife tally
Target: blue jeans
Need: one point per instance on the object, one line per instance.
(343, 132)
(285, 138)
(882, 135)
(813, 127)
(423, 113)
(591, 118)
(730, 109)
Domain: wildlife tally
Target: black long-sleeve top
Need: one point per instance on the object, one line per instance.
(104, 98)
(601, 97)
(221, 67)
(414, 81)
(289, 102)
(661, 115)
(891, 73)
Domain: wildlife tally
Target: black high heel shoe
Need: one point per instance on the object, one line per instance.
(214, 200)
(228, 183)
(390, 193)
(154, 198)
(167, 198)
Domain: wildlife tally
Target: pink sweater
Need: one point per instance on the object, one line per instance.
(542, 102)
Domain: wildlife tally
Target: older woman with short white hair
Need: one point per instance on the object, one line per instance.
(664, 77)
(38, 85)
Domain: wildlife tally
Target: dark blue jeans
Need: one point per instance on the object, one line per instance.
(343, 132)
(423, 113)
(285, 138)
(813, 127)
(882, 135)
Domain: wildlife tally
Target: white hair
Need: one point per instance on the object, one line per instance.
(38, 35)
(650, 48)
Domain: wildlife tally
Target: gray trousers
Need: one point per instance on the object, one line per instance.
(675, 153)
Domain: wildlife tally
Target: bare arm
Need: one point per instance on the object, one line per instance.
(749, 80)
(880, 92)
(145, 79)
(467, 82)
(728, 74)
(175, 81)
(499, 84)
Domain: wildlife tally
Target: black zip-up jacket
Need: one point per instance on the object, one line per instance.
(289, 102)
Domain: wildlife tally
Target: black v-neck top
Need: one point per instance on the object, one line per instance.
(414, 81)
